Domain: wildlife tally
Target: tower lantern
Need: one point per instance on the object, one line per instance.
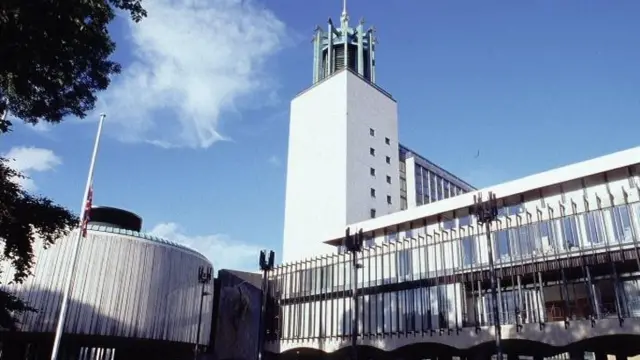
(344, 47)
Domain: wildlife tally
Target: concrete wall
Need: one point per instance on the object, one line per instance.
(370, 109)
(329, 161)
(608, 180)
(127, 284)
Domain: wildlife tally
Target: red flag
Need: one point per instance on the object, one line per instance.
(87, 212)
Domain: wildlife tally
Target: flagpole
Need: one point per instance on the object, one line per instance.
(76, 245)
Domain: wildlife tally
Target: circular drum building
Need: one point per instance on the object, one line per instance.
(135, 296)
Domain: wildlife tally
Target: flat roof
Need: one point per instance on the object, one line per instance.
(562, 174)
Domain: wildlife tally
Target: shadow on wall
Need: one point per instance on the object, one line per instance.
(86, 327)
(35, 329)
(238, 315)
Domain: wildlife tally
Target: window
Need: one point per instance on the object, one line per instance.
(570, 232)
(621, 223)
(373, 192)
(468, 250)
(387, 141)
(372, 132)
(373, 213)
(404, 263)
(595, 227)
(448, 224)
(372, 171)
(502, 245)
(372, 151)
(388, 160)
(409, 233)
(388, 179)
(547, 235)
(391, 236)
(389, 199)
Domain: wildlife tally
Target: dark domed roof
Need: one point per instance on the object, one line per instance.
(115, 218)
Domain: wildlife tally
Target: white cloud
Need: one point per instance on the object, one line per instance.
(29, 160)
(223, 252)
(41, 127)
(274, 160)
(193, 61)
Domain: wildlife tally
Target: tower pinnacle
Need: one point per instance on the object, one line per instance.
(345, 16)
(344, 47)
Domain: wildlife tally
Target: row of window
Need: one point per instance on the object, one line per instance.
(372, 132)
(373, 195)
(598, 230)
(431, 187)
(372, 172)
(453, 306)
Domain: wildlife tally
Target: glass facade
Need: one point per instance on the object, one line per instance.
(432, 183)
(563, 253)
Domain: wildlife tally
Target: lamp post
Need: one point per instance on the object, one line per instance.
(267, 260)
(353, 244)
(486, 212)
(204, 278)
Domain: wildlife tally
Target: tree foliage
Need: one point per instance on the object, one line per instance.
(54, 58)
(22, 217)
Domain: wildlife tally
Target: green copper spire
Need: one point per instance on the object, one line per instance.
(344, 47)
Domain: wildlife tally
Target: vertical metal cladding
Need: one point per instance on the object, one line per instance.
(127, 284)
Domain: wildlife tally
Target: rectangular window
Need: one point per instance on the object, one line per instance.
(404, 263)
(570, 232)
(388, 179)
(387, 141)
(388, 160)
(622, 223)
(547, 235)
(391, 236)
(372, 151)
(502, 245)
(372, 171)
(372, 132)
(468, 251)
(370, 241)
(372, 213)
(373, 192)
(595, 227)
(433, 187)
(389, 199)
(445, 188)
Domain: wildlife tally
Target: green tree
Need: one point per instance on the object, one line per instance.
(55, 58)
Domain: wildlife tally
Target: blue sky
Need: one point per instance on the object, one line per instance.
(196, 135)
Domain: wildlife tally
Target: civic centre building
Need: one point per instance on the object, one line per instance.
(564, 243)
(135, 296)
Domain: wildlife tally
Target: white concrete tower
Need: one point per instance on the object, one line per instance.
(343, 144)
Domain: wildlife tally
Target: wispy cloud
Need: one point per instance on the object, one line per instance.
(29, 160)
(274, 161)
(193, 61)
(221, 250)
